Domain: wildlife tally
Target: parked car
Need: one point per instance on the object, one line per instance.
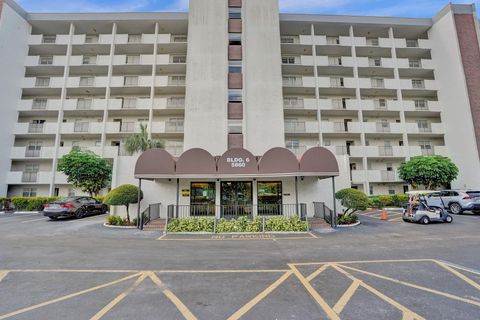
(455, 201)
(77, 207)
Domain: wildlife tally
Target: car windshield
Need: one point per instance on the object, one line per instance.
(474, 194)
(65, 200)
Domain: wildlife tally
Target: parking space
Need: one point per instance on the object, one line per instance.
(386, 289)
(393, 215)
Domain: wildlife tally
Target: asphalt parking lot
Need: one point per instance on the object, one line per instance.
(77, 269)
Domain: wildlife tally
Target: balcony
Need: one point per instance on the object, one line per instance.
(86, 39)
(144, 59)
(373, 42)
(332, 61)
(415, 64)
(420, 84)
(385, 151)
(42, 82)
(135, 39)
(433, 128)
(90, 60)
(82, 127)
(340, 82)
(428, 151)
(422, 105)
(413, 43)
(301, 126)
(54, 61)
(23, 128)
(39, 104)
(39, 39)
(381, 104)
(174, 126)
(85, 104)
(374, 83)
(383, 176)
(298, 150)
(341, 127)
(32, 152)
(364, 62)
(383, 127)
(108, 151)
(18, 177)
(338, 104)
(298, 81)
(87, 82)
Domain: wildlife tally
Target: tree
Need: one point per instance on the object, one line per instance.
(123, 195)
(429, 171)
(352, 199)
(86, 170)
(139, 142)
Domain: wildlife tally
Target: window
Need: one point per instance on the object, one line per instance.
(30, 173)
(202, 196)
(287, 39)
(33, 149)
(292, 81)
(179, 59)
(378, 83)
(49, 38)
(130, 81)
(176, 80)
(42, 82)
(292, 144)
(414, 63)
(335, 61)
(234, 13)
(235, 67)
(424, 126)
(333, 40)
(235, 96)
(133, 59)
(29, 192)
(71, 192)
(84, 103)
(412, 43)
(418, 84)
(339, 103)
(371, 190)
(36, 126)
(269, 197)
(174, 125)
(129, 103)
(380, 104)
(175, 102)
(292, 102)
(421, 104)
(91, 38)
(375, 62)
(89, 59)
(337, 82)
(288, 60)
(179, 38)
(87, 81)
(235, 39)
(46, 60)
(373, 42)
(81, 126)
(134, 38)
(391, 191)
(39, 103)
(426, 148)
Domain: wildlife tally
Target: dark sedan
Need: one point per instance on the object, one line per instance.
(77, 207)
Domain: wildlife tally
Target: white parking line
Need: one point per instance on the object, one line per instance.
(28, 221)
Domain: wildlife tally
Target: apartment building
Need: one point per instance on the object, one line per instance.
(238, 75)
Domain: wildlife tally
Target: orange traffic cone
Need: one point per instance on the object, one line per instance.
(384, 215)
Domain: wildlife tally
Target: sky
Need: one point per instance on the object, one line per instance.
(403, 8)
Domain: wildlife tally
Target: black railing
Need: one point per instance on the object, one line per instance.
(152, 212)
(322, 211)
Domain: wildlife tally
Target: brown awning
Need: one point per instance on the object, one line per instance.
(154, 163)
(278, 161)
(199, 163)
(196, 162)
(237, 162)
(319, 161)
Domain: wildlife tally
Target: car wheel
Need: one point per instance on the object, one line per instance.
(455, 208)
(476, 212)
(104, 209)
(449, 219)
(80, 213)
(405, 220)
(425, 220)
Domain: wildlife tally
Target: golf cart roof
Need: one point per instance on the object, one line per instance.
(420, 192)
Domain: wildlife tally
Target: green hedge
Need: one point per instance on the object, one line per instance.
(118, 221)
(382, 201)
(243, 224)
(32, 203)
(347, 219)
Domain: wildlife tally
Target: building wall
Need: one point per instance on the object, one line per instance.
(453, 96)
(14, 31)
(263, 76)
(207, 71)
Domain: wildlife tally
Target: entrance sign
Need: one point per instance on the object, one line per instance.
(237, 161)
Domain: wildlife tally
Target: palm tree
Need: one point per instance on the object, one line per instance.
(139, 142)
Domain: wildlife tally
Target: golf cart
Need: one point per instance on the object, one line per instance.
(417, 209)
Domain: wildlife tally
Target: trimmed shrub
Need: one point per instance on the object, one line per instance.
(123, 195)
(31, 204)
(347, 219)
(285, 224)
(191, 225)
(385, 201)
(382, 201)
(352, 199)
(399, 200)
(117, 221)
(240, 225)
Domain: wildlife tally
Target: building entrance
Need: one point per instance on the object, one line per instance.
(236, 198)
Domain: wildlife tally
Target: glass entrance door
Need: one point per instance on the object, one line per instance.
(269, 195)
(202, 199)
(236, 198)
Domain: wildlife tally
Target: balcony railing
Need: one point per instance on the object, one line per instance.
(388, 175)
(127, 127)
(293, 103)
(174, 126)
(81, 127)
(32, 153)
(29, 177)
(176, 80)
(295, 126)
(176, 102)
(383, 127)
(385, 151)
(342, 150)
(340, 127)
(35, 127)
(427, 151)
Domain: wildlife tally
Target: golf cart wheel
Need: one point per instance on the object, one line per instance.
(425, 220)
(455, 208)
(79, 213)
(449, 219)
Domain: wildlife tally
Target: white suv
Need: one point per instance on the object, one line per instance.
(456, 201)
